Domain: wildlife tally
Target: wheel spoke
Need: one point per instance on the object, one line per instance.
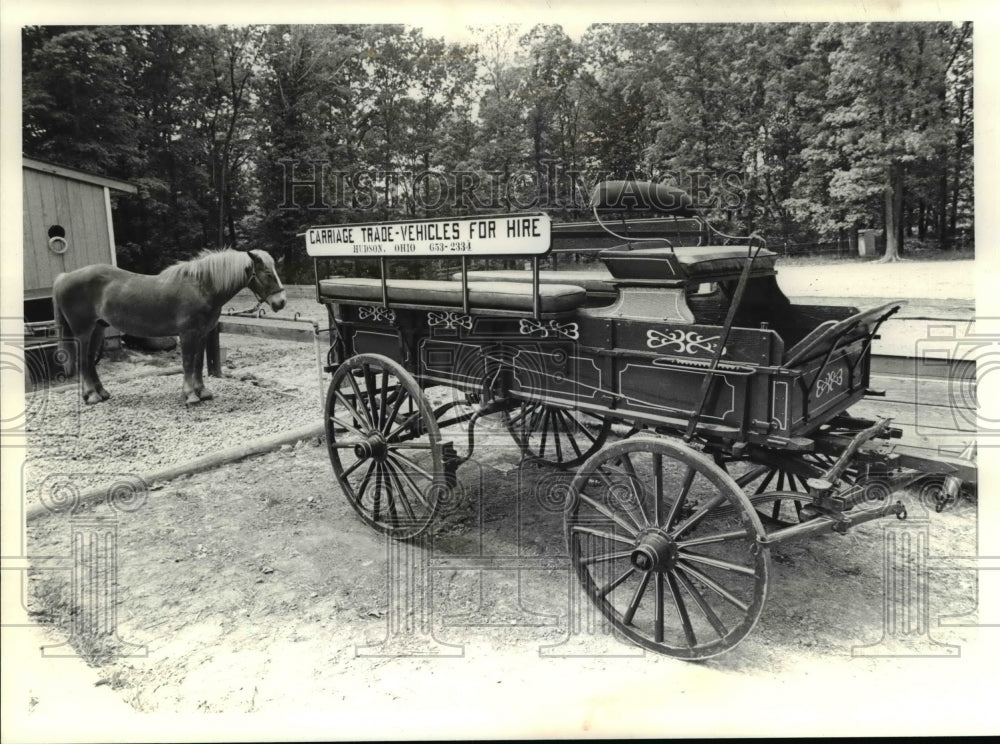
(718, 563)
(545, 431)
(383, 393)
(698, 515)
(714, 586)
(600, 533)
(526, 409)
(633, 605)
(681, 497)
(682, 613)
(605, 511)
(535, 419)
(406, 423)
(353, 467)
(360, 400)
(404, 462)
(765, 483)
(414, 488)
(606, 557)
(402, 395)
(365, 481)
(751, 475)
(353, 410)
(713, 539)
(612, 585)
(341, 422)
(586, 431)
(630, 469)
(571, 436)
(555, 419)
(400, 490)
(369, 376)
(657, 488)
(703, 605)
(377, 501)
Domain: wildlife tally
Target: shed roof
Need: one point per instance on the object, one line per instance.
(78, 175)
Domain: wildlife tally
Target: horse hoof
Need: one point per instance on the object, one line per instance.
(105, 395)
(206, 395)
(92, 398)
(192, 398)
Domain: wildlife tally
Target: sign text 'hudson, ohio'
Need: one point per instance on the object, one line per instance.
(529, 234)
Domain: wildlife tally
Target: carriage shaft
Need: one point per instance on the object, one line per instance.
(832, 522)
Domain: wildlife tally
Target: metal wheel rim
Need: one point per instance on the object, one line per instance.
(703, 588)
(388, 487)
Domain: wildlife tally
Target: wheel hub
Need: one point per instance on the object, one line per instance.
(373, 446)
(654, 552)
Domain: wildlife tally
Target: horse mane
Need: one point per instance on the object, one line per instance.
(222, 268)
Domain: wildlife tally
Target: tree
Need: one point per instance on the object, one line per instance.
(78, 104)
(885, 87)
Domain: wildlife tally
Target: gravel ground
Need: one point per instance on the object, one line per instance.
(270, 386)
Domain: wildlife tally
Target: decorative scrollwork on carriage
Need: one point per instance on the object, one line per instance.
(449, 321)
(684, 342)
(377, 314)
(552, 328)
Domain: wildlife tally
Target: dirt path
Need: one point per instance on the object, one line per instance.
(254, 588)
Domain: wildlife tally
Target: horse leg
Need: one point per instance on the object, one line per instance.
(85, 363)
(191, 344)
(96, 343)
(199, 366)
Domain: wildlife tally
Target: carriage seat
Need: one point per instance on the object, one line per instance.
(517, 296)
(594, 282)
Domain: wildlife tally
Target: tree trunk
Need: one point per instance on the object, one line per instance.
(943, 210)
(893, 212)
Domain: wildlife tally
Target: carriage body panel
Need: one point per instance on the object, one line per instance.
(633, 369)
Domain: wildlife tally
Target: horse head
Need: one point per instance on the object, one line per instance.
(263, 281)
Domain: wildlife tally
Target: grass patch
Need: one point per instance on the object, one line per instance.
(51, 602)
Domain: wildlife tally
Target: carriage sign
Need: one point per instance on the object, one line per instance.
(509, 234)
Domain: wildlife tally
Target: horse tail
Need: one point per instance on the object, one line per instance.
(64, 353)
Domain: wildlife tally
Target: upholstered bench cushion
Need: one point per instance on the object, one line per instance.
(591, 281)
(554, 298)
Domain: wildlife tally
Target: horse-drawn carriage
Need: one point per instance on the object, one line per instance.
(735, 402)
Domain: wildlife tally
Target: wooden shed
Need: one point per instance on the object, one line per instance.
(67, 225)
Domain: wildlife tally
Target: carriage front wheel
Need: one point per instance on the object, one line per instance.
(384, 445)
(665, 543)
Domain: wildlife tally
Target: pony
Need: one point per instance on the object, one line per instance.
(183, 300)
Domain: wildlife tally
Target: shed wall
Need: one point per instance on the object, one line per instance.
(79, 208)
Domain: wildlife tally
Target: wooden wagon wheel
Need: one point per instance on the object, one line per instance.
(779, 493)
(384, 445)
(562, 437)
(666, 545)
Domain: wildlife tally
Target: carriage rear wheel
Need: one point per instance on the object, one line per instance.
(562, 437)
(666, 545)
(384, 445)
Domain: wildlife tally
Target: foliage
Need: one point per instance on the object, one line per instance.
(246, 135)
